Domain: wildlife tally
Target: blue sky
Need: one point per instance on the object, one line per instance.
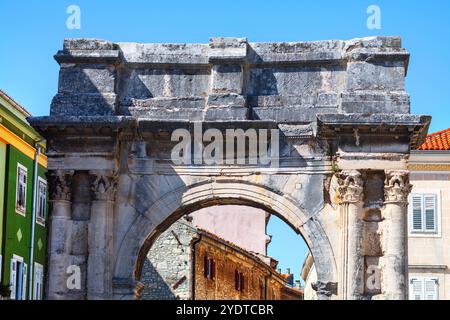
(32, 32)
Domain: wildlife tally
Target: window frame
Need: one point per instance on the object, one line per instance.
(17, 208)
(239, 280)
(38, 295)
(41, 220)
(423, 232)
(209, 268)
(15, 258)
(423, 281)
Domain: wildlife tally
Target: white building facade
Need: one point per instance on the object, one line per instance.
(429, 219)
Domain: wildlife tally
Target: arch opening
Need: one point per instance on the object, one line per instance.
(145, 231)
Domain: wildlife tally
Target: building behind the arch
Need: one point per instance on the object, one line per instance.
(215, 253)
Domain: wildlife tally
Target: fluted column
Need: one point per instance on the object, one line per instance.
(351, 206)
(60, 183)
(394, 235)
(100, 235)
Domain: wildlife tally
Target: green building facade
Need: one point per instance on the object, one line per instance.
(23, 204)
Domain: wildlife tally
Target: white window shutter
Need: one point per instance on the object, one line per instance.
(430, 212)
(12, 277)
(38, 279)
(430, 285)
(416, 289)
(416, 212)
(24, 281)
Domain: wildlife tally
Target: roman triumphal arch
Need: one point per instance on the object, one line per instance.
(135, 137)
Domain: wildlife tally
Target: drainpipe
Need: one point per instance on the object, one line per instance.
(33, 221)
(193, 244)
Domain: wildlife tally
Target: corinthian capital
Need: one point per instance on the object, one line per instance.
(60, 184)
(103, 185)
(396, 186)
(350, 186)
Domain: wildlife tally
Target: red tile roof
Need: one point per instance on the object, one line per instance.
(437, 141)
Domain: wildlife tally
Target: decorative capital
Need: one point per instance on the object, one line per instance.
(396, 186)
(60, 184)
(350, 186)
(103, 185)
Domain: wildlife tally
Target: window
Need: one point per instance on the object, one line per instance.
(21, 189)
(18, 278)
(41, 201)
(38, 281)
(209, 268)
(423, 213)
(262, 291)
(239, 280)
(423, 288)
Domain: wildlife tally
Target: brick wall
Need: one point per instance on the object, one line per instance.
(258, 279)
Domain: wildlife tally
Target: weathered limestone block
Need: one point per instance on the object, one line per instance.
(74, 104)
(227, 78)
(79, 237)
(385, 76)
(227, 49)
(294, 80)
(165, 82)
(372, 278)
(371, 241)
(375, 101)
(86, 78)
(79, 293)
(198, 79)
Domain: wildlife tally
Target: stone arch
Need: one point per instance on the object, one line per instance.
(334, 117)
(174, 204)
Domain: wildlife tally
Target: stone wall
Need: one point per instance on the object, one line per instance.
(167, 270)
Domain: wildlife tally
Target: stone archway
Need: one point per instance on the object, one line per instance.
(339, 120)
(142, 233)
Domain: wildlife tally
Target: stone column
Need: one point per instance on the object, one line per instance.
(100, 235)
(59, 233)
(394, 236)
(351, 203)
